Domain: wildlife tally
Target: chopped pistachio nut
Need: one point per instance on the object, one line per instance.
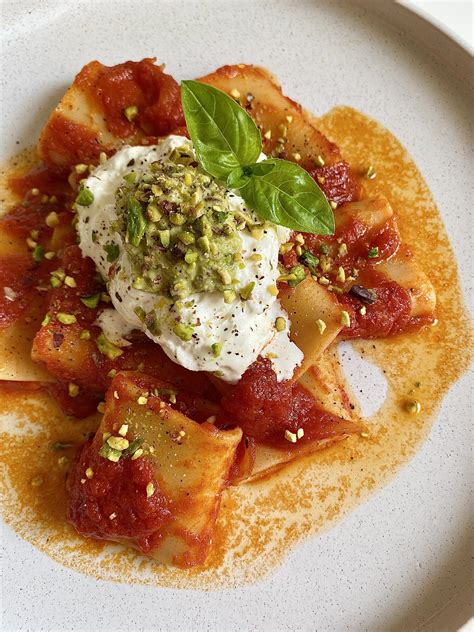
(49, 255)
(46, 320)
(413, 407)
(363, 310)
(112, 373)
(63, 461)
(73, 390)
(345, 319)
(70, 281)
(118, 443)
(101, 407)
(284, 248)
(91, 301)
(130, 112)
(31, 243)
(255, 257)
(319, 161)
(300, 433)
(229, 296)
(273, 290)
(85, 197)
(299, 274)
(291, 436)
(109, 453)
(150, 490)
(66, 319)
(137, 454)
(142, 400)
(89, 472)
(81, 168)
(324, 249)
(35, 192)
(185, 332)
(216, 348)
(268, 134)
(342, 250)
(373, 253)
(108, 348)
(85, 334)
(341, 274)
(370, 173)
(246, 292)
(321, 325)
(123, 430)
(333, 204)
(280, 324)
(299, 238)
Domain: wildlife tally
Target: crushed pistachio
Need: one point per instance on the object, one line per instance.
(118, 443)
(273, 290)
(66, 319)
(370, 173)
(280, 324)
(373, 253)
(321, 325)
(108, 348)
(363, 310)
(341, 274)
(216, 349)
(91, 301)
(290, 436)
(101, 407)
(345, 319)
(89, 472)
(73, 389)
(85, 334)
(85, 197)
(234, 93)
(246, 292)
(413, 407)
(70, 281)
(185, 332)
(319, 161)
(142, 400)
(123, 430)
(300, 433)
(150, 490)
(130, 112)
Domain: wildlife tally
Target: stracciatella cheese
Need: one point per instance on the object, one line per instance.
(244, 329)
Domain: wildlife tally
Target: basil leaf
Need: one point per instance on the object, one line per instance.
(224, 135)
(284, 193)
(136, 222)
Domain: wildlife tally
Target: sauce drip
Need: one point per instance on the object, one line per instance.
(324, 486)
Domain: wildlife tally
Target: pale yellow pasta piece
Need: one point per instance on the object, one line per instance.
(307, 304)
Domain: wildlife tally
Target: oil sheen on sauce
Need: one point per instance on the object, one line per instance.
(260, 522)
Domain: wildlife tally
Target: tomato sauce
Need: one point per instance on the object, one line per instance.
(265, 408)
(143, 85)
(113, 503)
(337, 182)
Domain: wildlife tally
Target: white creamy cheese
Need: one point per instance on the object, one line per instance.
(245, 329)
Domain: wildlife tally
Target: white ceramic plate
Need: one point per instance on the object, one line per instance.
(400, 561)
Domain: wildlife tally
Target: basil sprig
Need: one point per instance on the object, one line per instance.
(228, 144)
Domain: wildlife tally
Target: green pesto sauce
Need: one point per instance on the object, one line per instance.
(179, 232)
